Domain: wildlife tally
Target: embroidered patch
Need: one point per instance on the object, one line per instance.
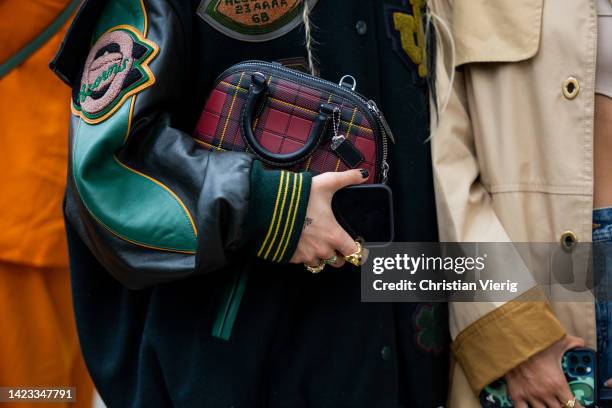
(431, 324)
(408, 35)
(116, 68)
(253, 20)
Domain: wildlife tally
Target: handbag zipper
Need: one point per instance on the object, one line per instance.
(370, 105)
(387, 133)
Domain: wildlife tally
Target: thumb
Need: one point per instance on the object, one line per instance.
(571, 342)
(350, 177)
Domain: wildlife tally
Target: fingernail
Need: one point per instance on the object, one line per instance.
(608, 383)
(364, 173)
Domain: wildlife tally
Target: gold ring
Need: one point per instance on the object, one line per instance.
(571, 403)
(315, 269)
(355, 258)
(331, 260)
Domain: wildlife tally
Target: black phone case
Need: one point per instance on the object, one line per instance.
(366, 211)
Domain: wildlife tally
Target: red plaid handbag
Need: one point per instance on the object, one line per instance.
(295, 121)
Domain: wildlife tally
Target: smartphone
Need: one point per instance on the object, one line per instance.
(580, 369)
(366, 211)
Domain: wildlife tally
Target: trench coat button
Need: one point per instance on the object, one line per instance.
(361, 27)
(571, 88)
(568, 240)
(385, 353)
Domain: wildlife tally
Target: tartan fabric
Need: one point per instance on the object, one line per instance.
(284, 122)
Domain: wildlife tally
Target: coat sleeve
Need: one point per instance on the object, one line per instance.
(489, 338)
(151, 204)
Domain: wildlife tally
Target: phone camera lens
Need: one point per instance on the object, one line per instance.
(573, 359)
(580, 370)
(586, 359)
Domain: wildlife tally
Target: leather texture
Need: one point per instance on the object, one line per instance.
(258, 94)
(288, 322)
(286, 119)
(119, 219)
(347, 152)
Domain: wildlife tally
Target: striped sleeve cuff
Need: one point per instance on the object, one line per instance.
(278, 205)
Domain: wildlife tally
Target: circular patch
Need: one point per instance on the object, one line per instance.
(253, 20)
(116, 68)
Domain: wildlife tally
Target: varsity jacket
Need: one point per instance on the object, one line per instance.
(182, 289)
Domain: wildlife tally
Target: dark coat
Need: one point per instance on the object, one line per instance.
(213, 325)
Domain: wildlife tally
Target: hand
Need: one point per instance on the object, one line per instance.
(539, 382)
(322, 236)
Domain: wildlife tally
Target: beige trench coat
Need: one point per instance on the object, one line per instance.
(513, 161)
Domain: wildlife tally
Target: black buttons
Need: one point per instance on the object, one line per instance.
(385, 353)
(361, 27)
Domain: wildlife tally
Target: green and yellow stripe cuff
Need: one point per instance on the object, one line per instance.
(279, 200)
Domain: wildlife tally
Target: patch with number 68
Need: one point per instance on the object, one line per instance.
(253, 20)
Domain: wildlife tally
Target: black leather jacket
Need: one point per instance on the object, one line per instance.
(151, 204)
(211, 324)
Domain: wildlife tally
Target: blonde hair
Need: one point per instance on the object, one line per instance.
(309, 42)
(443, 35)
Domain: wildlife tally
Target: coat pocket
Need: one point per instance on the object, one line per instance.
(496, 31)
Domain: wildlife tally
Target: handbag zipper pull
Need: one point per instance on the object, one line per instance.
(336, 141)
(337, 138)
(372, 106)
(385, 172)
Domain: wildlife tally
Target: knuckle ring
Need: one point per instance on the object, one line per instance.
(571, 403)
(355, 258)
(316, 269)
(331, 260)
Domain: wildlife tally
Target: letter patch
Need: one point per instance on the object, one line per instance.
(253, 20)
(116, 68)
(408, 36)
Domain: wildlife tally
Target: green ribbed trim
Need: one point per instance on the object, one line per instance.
(24, 53)
(279, 200)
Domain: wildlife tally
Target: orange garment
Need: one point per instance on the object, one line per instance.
(38, 345)
(34, 117)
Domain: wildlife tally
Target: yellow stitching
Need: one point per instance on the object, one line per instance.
(237, 88)
(280, 218)
(365, 129)
(308, 163)
(129, 125)
(180, 251)
(229, 114)
(280, 243)
(146, 21)
(278, 194)
(144, 65)
(297, 205)
(203, 143)
(159, 183)
(348, 131)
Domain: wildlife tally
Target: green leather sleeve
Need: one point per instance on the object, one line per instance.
(150, 203)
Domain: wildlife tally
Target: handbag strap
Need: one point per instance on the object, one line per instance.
(258, 91)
